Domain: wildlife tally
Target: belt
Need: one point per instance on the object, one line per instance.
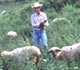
(38, 29)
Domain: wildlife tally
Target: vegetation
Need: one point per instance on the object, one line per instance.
(59, 33)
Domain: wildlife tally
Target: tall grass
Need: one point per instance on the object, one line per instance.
(59, 33)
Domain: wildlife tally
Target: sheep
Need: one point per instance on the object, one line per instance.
(61, 19)
(27, 52)
(69, 52)
(66, 53)
(12, 34)
(3, 12)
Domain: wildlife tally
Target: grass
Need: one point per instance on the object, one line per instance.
(59, 33)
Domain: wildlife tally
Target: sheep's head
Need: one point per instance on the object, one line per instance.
(4, 54)
(54, 51)
(11, 34)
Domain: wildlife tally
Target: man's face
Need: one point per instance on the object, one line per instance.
(37, 9)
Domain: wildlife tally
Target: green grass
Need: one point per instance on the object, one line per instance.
(59, 34)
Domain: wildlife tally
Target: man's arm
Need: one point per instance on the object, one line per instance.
(45, 22)
(33, 23)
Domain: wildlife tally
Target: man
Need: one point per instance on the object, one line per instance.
(39, 22)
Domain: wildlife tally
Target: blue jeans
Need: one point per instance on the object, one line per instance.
(40, 35)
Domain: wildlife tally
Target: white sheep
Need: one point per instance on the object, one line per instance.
(12, 34)
(3, 12)
(61, 19)
(66, 53)
(28, 52)
(69, 52)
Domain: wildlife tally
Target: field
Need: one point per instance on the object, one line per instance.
(60, 33)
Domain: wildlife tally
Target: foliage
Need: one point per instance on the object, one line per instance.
(59, 33)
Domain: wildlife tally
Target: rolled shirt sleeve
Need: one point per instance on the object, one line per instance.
(45, 18)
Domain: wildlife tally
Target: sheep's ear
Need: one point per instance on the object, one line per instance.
(57, 50)
(0, 53)
(50, 51)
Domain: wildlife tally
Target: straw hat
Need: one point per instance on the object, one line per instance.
(36, 4)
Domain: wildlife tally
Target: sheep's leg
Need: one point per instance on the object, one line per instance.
(78, 61)
(68, 62)
(37, 62)
(69, 65)
(5, 65)
(33, 60)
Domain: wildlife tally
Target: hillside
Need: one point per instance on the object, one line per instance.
(59, 33)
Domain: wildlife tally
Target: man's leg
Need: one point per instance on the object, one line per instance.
(36, 39)
(44, 40)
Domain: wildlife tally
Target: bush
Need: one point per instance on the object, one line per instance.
(59, 33)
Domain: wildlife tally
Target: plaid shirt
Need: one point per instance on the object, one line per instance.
(36, 19)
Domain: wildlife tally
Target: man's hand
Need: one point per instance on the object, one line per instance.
(42, 24)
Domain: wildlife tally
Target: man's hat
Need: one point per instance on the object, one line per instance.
(37, 4)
